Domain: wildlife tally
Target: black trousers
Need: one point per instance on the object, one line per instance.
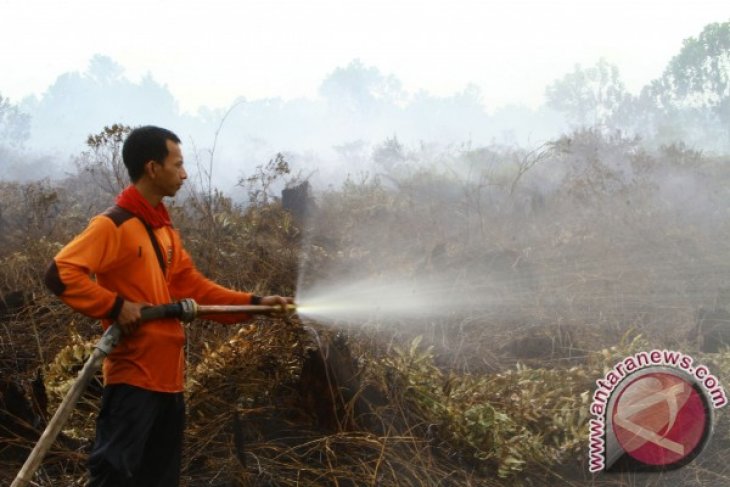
(139, 437)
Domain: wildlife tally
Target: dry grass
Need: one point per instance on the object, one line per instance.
(593, 255)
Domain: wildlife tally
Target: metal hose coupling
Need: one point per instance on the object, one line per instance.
(109, 340)
(188, 310)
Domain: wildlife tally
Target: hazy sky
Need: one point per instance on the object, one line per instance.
(209, 52)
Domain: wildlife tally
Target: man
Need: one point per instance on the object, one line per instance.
(138, 260)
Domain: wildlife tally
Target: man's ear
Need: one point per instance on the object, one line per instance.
(149, 168)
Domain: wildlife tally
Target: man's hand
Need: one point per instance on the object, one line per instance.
(130, 317)
(277, 301)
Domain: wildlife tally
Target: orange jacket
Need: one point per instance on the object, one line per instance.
(117, 249)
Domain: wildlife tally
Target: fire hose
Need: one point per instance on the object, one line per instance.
(185, 310)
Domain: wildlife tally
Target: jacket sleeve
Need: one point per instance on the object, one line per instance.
(69, 275)
(187, 282)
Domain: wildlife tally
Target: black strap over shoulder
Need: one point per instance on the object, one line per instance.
(156, 246)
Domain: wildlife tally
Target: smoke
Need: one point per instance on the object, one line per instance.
(439, 206)
(590, 231)
(357, 105)
(328, 137)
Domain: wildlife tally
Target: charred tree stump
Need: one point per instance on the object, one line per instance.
(329, 397)
(297, 201)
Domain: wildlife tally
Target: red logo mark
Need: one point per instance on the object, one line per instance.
(660, 419)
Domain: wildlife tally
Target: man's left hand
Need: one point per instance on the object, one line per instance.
(275, 300)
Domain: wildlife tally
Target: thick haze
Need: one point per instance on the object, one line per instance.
(327, 82)
(211, 53)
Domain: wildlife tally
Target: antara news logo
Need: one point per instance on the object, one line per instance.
(652, 411)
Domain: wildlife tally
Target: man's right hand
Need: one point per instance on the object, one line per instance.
(130, 317)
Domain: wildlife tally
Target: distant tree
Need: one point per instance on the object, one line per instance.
(360, 89)
(77, 103)
(591, 97)
(699, 75)
(353, 152)
(695, 86)
(389, 154)
(104, 70)
(14, 124)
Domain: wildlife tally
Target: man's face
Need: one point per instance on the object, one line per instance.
(169, 176)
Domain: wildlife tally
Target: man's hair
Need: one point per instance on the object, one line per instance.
(144, 144)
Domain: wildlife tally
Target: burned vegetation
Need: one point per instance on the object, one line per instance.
(582, 252)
